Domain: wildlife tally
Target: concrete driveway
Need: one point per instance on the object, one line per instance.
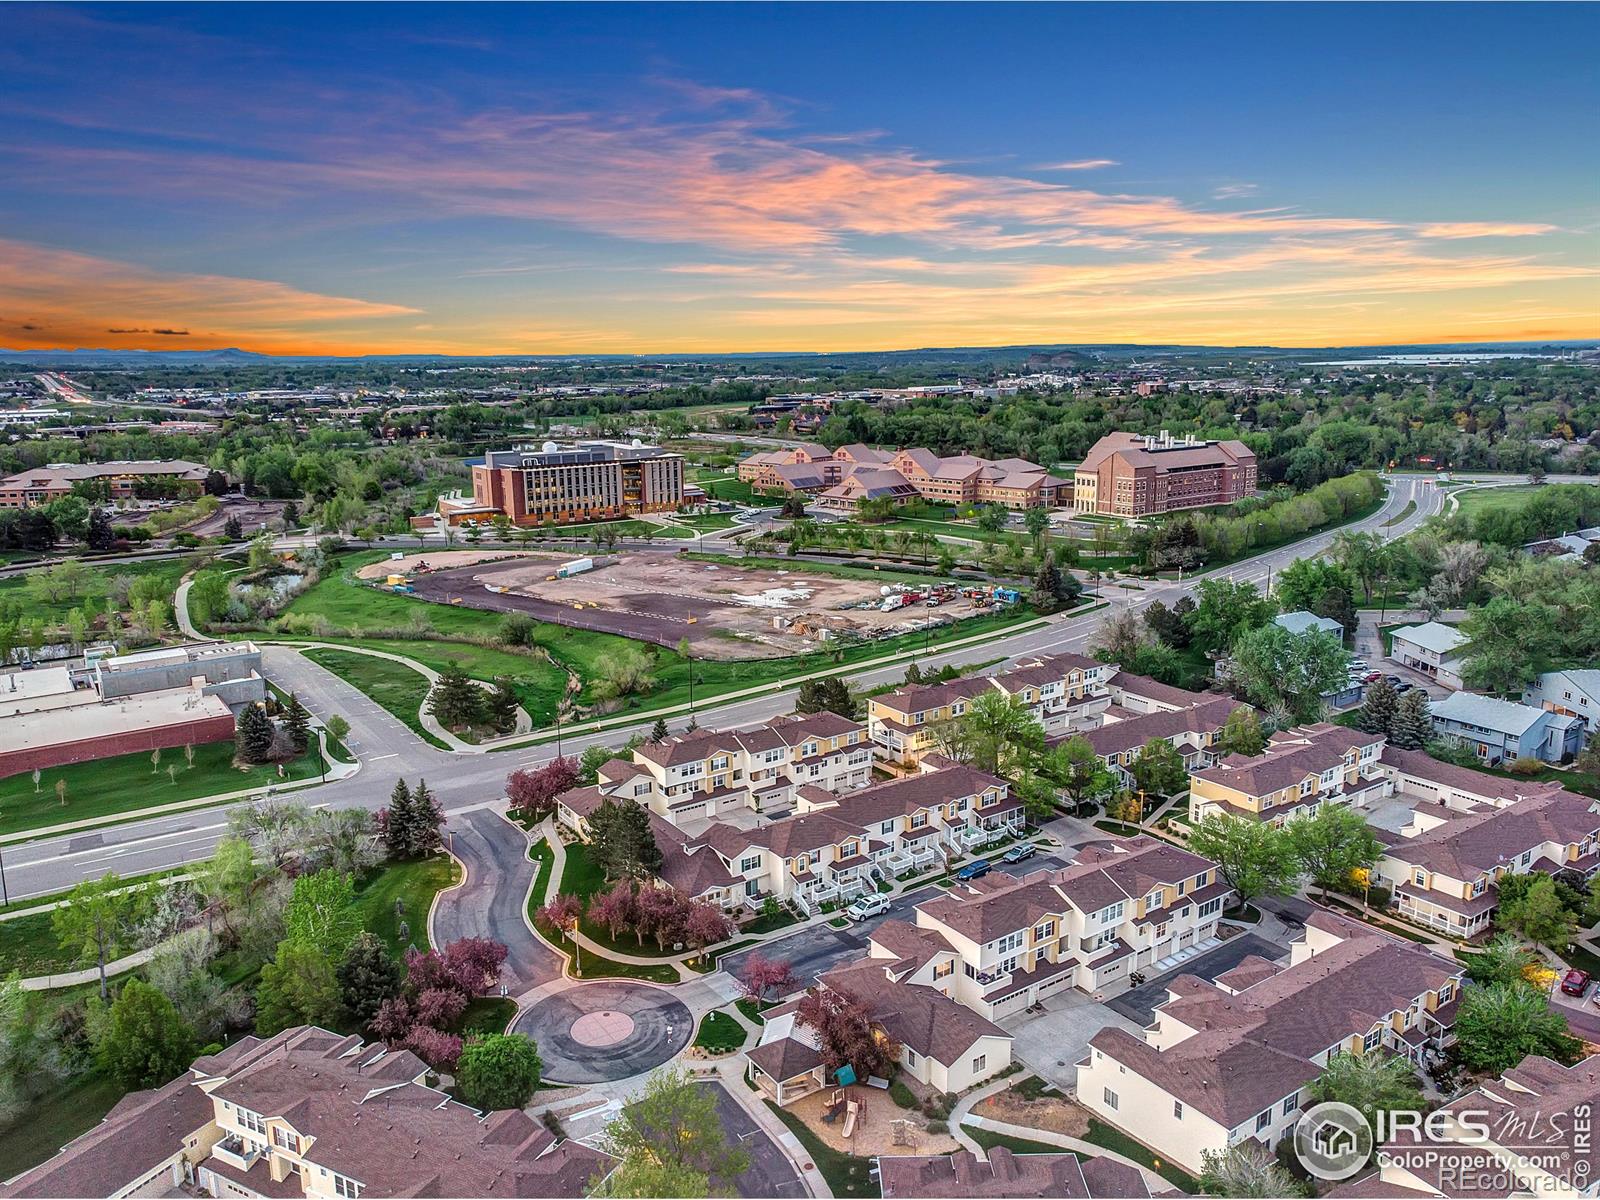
(1139, 1004)
(1053, 1044)
(770, 1172)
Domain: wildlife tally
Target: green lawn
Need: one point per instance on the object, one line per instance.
(393, 686)
(707, 522)
(731, 487)
(583, 879)
(1102, 1134)
(126, 784)
(541, 853)
(538, 682)
(486, 1015)
(1484, 499)
(1411, 507)
(847, 1175)
(751, 1010)
(413, 883)
(627, 527)
(28, 944)
(48, 1122)
(15, 591)
(719, 1033)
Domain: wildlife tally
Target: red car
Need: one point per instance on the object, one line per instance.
(1575, 982)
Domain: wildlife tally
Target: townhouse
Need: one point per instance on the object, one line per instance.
(1000, 944)
(1446, 865)
(1061, 691)
(1530, 1134)
(1005, 1174)
(1298, 771)
(1571, 693)
(1498, 730)
(713, 772)
(311, 1113)
(1192, 732)
(1431, 648)
(1228, 1061)
(1416, 773)
(942, 1044)
(835, 846)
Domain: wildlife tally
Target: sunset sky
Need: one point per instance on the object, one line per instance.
(510, 179)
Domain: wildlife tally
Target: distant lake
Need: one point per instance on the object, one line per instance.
(1422, 360)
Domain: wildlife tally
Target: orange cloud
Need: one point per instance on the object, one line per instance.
(51, 298)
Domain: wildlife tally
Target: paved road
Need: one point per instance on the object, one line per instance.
(640, 1027)
(491, 902)
(389, 750)
(770, 1172)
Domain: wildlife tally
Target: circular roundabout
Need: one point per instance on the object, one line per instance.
(606, 1030)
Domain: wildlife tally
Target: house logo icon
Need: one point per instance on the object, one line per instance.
(1333, 1141)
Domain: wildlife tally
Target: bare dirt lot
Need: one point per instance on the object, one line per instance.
(724, 611)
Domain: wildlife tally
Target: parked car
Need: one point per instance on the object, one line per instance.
(1372, 677)
(1575, 982)
(867, 906)
(976, 869)
(1021, 852)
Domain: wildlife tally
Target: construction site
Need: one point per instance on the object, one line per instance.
(724, 611)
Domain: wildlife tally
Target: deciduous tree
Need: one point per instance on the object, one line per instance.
(144, 1042)
(533, 793)
(1332, 844)
(1253, 857)
(498, 1071)
(99, 920)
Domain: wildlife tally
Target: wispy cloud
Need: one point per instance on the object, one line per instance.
(1079, 164)
(1234, 191)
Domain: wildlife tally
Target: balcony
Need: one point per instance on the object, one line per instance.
(973, 837)
(237, 1152)
(898, 861)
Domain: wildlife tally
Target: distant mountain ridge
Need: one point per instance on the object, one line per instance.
(1058, 354)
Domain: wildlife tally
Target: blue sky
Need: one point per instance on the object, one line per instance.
(507, 178)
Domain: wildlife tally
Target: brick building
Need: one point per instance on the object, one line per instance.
(123, 480)
(1129, 475)
(564, 485)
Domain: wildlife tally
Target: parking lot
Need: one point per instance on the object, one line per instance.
(819, 948)
(1139, 1004)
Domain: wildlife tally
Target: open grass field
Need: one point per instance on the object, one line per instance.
(16, 590)
(626, 527)
(414, 884)
(1486, 499)
(393, 686)
(707, 522)
(125, 784)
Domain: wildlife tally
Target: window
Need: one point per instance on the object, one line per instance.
(1419, 877)
(911, 1057)
(1527, 856)
(285, 1140)
(1263, 1120)
(251, 1121)
(749, 863)
(1153, 900)
(944, 969)
(977, 1063)
(346, 1187)
(1012, 941)
(1209, 907)
(1372, 1040)
(1177, 1110)
(1446, 992)
(1044, 930)
(1478, 886)
(1290, 1103)
(1112, 912)
(886, 827)
(1111, 1100)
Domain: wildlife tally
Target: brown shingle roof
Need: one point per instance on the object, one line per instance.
(920, 1018)
(1006, 1174)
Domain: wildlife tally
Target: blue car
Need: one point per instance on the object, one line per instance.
(974, 870)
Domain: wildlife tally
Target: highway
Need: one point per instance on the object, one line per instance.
(389, 751)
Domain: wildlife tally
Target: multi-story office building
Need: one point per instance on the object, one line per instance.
(122, 481)
(1129, 475)
(841, 479)
(563, 485)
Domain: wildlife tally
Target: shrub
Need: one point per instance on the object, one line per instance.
(1526, 766)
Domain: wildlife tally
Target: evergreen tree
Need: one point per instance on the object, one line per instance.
(455, 701)
(1379, 707)
(621, 842)
(1183, 610)
(913, 675)
(658, 731)
(291, 515)
(254, 735)
(396, 822)
(232, 530)
(426, 837)
(827, 695)
(1412, 727)
(368, 975)
(501, 706)
(297, 724)
(100, 534)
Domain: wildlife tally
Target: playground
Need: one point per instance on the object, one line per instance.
(724, 611)
(878, 1125)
